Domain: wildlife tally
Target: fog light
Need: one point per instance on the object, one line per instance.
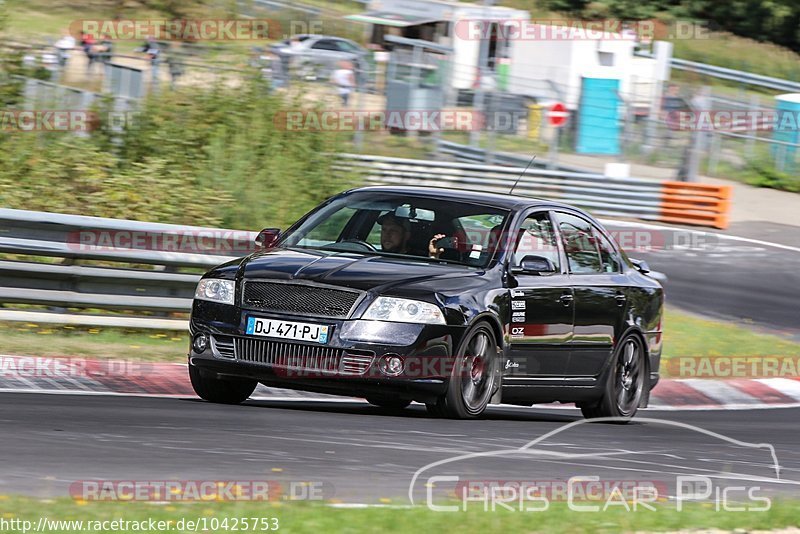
(200, 343)
(391, 365)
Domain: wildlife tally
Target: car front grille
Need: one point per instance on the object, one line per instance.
(223, 345)
(288, 356)
(299, 299)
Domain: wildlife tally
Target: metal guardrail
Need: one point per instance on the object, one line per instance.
(778, 84)
(722, 73)
(280, 5)
(478, 155)
(667, 201)
(602, 195)
(149, 285)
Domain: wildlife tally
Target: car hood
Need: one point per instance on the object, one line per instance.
(348, 269)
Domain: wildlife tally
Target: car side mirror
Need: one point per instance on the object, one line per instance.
(531, 264)
(641, 266)
(267, 237)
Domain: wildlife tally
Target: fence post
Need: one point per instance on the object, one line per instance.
(698, 138)
(749, 147)
(358, 135)
(713, 153)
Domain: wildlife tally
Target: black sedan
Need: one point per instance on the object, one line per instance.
(450, 298)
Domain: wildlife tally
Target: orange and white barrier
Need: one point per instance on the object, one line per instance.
(697, 204)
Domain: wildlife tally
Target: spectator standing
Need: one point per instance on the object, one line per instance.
(105, 49)
(175, 67)
(63, 47)
(87, 43)
(344, 79)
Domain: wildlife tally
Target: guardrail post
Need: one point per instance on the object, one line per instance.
(750, 143)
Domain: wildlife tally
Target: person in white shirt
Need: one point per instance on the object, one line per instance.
(344, 79)
(63, 46)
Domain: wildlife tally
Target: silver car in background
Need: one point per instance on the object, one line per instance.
(316, 56)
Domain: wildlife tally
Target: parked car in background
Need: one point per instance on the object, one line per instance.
(316, 56)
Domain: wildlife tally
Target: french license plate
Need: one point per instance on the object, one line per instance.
(257, 326)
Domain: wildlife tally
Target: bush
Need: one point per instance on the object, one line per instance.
(761, 172)
(192, 156)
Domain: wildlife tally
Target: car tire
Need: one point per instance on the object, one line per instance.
(389, 403)
(220, 390)
(624, 384)
(473, 379)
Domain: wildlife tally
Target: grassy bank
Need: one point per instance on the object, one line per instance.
(314, 518)
(31, 339)
(213, 156)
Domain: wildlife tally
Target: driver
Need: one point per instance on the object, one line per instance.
(395, 233)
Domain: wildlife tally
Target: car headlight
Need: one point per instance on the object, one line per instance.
(215, 290)
(404, 311)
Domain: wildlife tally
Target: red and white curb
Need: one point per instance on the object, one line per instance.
(107, 377)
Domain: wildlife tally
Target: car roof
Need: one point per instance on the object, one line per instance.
(500, 200)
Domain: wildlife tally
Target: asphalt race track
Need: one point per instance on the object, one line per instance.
(361, 454)
(727, 278)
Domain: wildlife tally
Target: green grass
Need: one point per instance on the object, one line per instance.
(684, 336)
(687, 335)
(734, 52)
(316, 518)
(31, 339)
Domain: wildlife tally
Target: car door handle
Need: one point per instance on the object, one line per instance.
(566, 299)
(621, 298)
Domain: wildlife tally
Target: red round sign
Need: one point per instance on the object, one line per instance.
(557, 114)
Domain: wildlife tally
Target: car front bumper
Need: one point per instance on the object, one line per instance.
(350, 363)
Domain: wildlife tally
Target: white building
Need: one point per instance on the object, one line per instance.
(543, 61)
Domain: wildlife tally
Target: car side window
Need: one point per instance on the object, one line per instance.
(536, 237)
(580, 244)
(346, 46)
(325, 44)
(609, 256)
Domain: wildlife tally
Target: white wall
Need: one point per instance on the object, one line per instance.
(565, 62)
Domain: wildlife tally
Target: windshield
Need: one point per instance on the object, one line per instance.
(403, 225)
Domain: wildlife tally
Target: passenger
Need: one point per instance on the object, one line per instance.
(434, 251)
(396, 233)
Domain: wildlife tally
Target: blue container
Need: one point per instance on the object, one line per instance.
(787, 130)
(599, 117)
